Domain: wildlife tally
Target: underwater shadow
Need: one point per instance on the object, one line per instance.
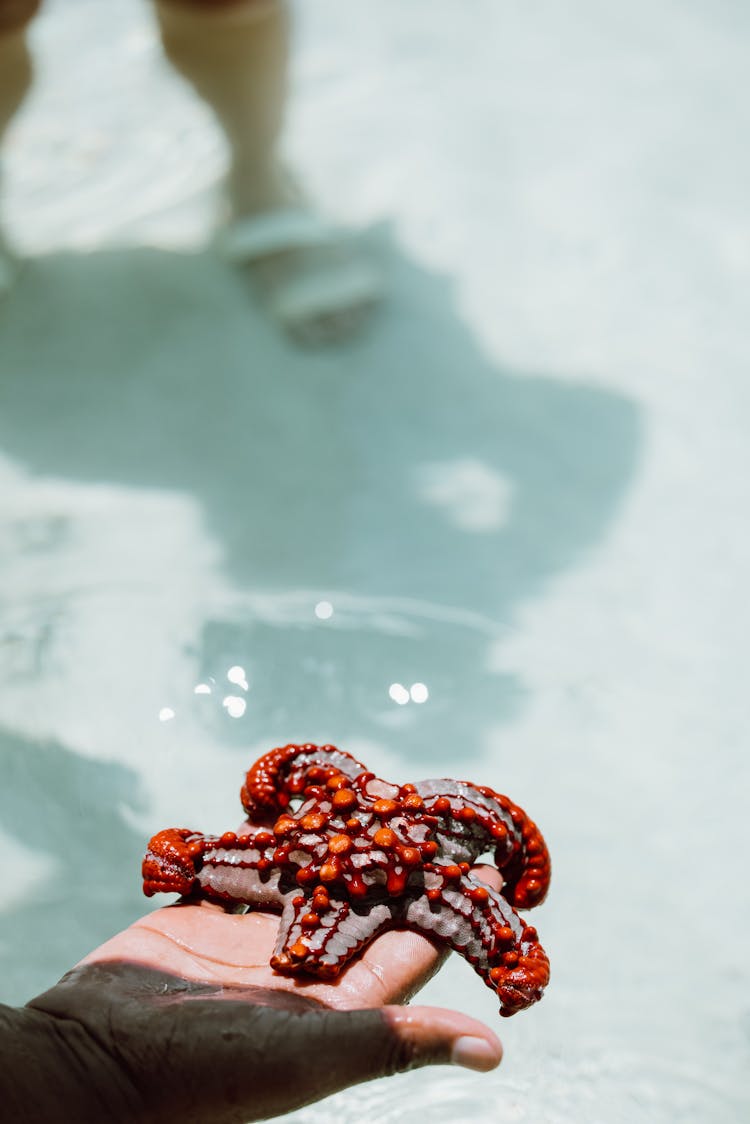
(409, 471)
(427, 489)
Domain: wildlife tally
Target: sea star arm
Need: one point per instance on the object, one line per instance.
(473, 820)
(284, 773)
(221, 868)
(483, 927)
(320, 935)
(169, 865)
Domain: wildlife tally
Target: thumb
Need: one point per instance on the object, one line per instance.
(436, 1036)
(260, 1062)
(362, 1045)
(263, 1061)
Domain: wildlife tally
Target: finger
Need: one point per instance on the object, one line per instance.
(436, 1036)
(359, 1046)
(356, 1046)
(226, 1049)
(490, 875)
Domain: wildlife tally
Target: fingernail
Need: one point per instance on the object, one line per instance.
(474, 1053)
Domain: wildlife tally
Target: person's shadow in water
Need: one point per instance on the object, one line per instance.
(431, 490)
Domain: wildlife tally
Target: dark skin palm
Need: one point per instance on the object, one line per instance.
(179, 1018)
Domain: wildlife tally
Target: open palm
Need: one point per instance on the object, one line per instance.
(186, 1021)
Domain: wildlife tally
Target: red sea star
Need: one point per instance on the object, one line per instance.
(359, 856)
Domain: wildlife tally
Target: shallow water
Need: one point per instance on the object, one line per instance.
(525, 488)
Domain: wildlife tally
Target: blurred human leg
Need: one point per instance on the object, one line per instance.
(15, 79)
(235, 55)
(15, 60)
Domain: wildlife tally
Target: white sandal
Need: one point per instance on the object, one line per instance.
(321, 295)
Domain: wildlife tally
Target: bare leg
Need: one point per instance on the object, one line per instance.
(15, 79)
(235, 54)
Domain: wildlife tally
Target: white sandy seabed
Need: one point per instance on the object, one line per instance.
(526, 487)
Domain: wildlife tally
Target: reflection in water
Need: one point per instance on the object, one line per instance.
(471, 494)
(417, 693)
(234, 705)
(237, 676)
(324, 610)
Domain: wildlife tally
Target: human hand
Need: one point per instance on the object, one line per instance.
(180, 1018)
